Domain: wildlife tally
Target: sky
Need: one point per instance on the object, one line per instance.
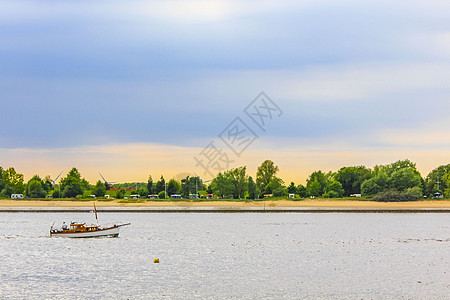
(138, 88)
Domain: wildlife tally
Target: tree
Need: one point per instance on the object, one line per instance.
(375, 185)
(160, 185)
(222, 185)
(276, 187)
(150, 185)
(335, 190)
(162, 195)
(120, 194)
(72, 184)
(2, 184)
(99, 189)
(401, 164)
(191, 185)
(253, 192)
(13, 181)
(35, 188)
(265, 173)
(143, 192)
(405, 178)
(314, 188)
(351, 179)
(292, 189)
(173, 187)
(48, 185)
(302, 191)
(238, 180)
(319, 181)
(437, 180)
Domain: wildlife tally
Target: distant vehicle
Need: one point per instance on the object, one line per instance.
(152, 196)
(107, 196)
(135, 197)
(174, 196)
(209, 196)
(355, 195)
(93, 196)
(291, 195)
(16, 196)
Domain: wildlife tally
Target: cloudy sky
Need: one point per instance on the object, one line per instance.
(133, 88)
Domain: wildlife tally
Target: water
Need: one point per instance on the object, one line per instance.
(229, 256)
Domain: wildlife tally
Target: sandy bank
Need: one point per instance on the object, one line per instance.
(310, 203)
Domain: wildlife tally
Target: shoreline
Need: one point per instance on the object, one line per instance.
(273, 206)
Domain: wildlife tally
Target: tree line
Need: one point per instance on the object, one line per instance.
(398, 181)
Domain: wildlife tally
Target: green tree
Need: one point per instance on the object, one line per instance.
(72, 184)
(335, 190)
(352, 178)
(375, 185)
(222, 185)
(405, 178)
(276, 187)
(150, 185)
(143, 192)
(401, 164)
(47, 185)
(238, 179)
(302, 191)
(319, 183)
(13, 182)
(99, 189)
(437, 180)
(160, 185)
(162, 195)
(173, 187)
(253, 192)
(35, 188)
(265, 173)
(2, 183)
(292, 189)
(120, 194)
(191, 185)
(314, 188)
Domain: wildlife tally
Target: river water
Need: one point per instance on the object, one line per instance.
(229, 256)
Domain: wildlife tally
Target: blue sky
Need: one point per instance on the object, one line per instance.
(363, 77)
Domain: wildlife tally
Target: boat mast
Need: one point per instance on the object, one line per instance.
(95, 210)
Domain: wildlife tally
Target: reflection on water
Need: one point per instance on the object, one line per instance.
(249, 256)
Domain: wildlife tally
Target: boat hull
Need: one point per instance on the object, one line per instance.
(113, 232)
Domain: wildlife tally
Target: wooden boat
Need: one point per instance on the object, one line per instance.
(82, 230)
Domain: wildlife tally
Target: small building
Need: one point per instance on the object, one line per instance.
(16, 196)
